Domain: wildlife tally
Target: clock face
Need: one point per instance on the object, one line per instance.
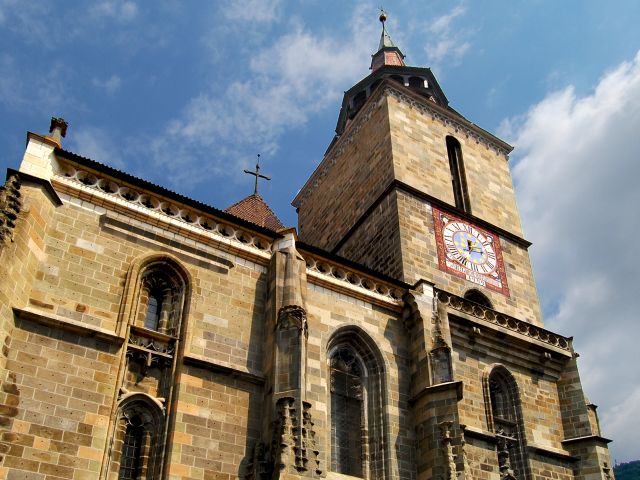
(469, 251)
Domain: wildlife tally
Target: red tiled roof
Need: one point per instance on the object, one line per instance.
(255, 210)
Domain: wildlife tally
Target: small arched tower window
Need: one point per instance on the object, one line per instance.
(398, 79)
(506, 421)
(347, 413)
(416, 82)
(458, 177)
(478, 297)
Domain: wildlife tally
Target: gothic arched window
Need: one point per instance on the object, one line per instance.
(458, 177)
(347, 413)
(478, 297)
(137, 449)
(359, 432)
(506, 421)
(153, 318)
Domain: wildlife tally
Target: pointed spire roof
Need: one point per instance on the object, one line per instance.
(255, 210)
(388, 53)
(385, 38)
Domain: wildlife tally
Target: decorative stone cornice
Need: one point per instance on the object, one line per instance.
(350, 281)
(507, 322)
(79, 181)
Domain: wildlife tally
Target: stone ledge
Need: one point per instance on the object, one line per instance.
(68, 324)
(551, 452)
(208, 364)
(341, 476)
(439, 388)
(219, 235)
(480, 434)
(585, 439)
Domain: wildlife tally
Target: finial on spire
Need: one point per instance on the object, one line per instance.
(257, 174)
(383, 16)
(388, 53)
(385, 38)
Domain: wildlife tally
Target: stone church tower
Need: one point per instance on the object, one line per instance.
(396, 335)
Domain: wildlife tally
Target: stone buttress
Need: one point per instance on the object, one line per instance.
(288, 448)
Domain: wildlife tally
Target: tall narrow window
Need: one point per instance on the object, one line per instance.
(162, 293)
(346, 413)
(154, 304)
(131, 457)
(458, 177)
(507, 420)
(155, 309)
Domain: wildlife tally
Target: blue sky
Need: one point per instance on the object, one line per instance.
(187, 93)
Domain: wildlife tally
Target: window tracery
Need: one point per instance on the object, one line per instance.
(359, 431)
(347, 413)
(131, 457)
(153, 318)
(506, 421)
(139, 433)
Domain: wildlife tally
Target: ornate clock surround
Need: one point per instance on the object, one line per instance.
(477, 266)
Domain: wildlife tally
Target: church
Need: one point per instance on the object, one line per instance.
(395, 334)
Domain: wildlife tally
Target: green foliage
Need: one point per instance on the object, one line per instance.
(628, 471)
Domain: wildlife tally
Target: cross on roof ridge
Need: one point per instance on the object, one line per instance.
(257, 174)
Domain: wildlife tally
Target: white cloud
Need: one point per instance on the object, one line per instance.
(299, 74)
(96, 144)
(442, 24)
(577, 179)
(121, 10)
(259, 11)
(51, 25)
(111, 85)
(29, 19)
(446, 42)
(41, 89)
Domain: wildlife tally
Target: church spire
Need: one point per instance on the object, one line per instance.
(388, 53)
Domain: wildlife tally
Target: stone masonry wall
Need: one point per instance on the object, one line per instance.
(376, 243)
(359, 167)
(420, 160)
(328, 314)
(538, 396)
(20, 254)
(64, 388)
(68, 270)
(216, 426)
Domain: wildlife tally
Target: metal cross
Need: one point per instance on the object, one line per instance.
(257, 174)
